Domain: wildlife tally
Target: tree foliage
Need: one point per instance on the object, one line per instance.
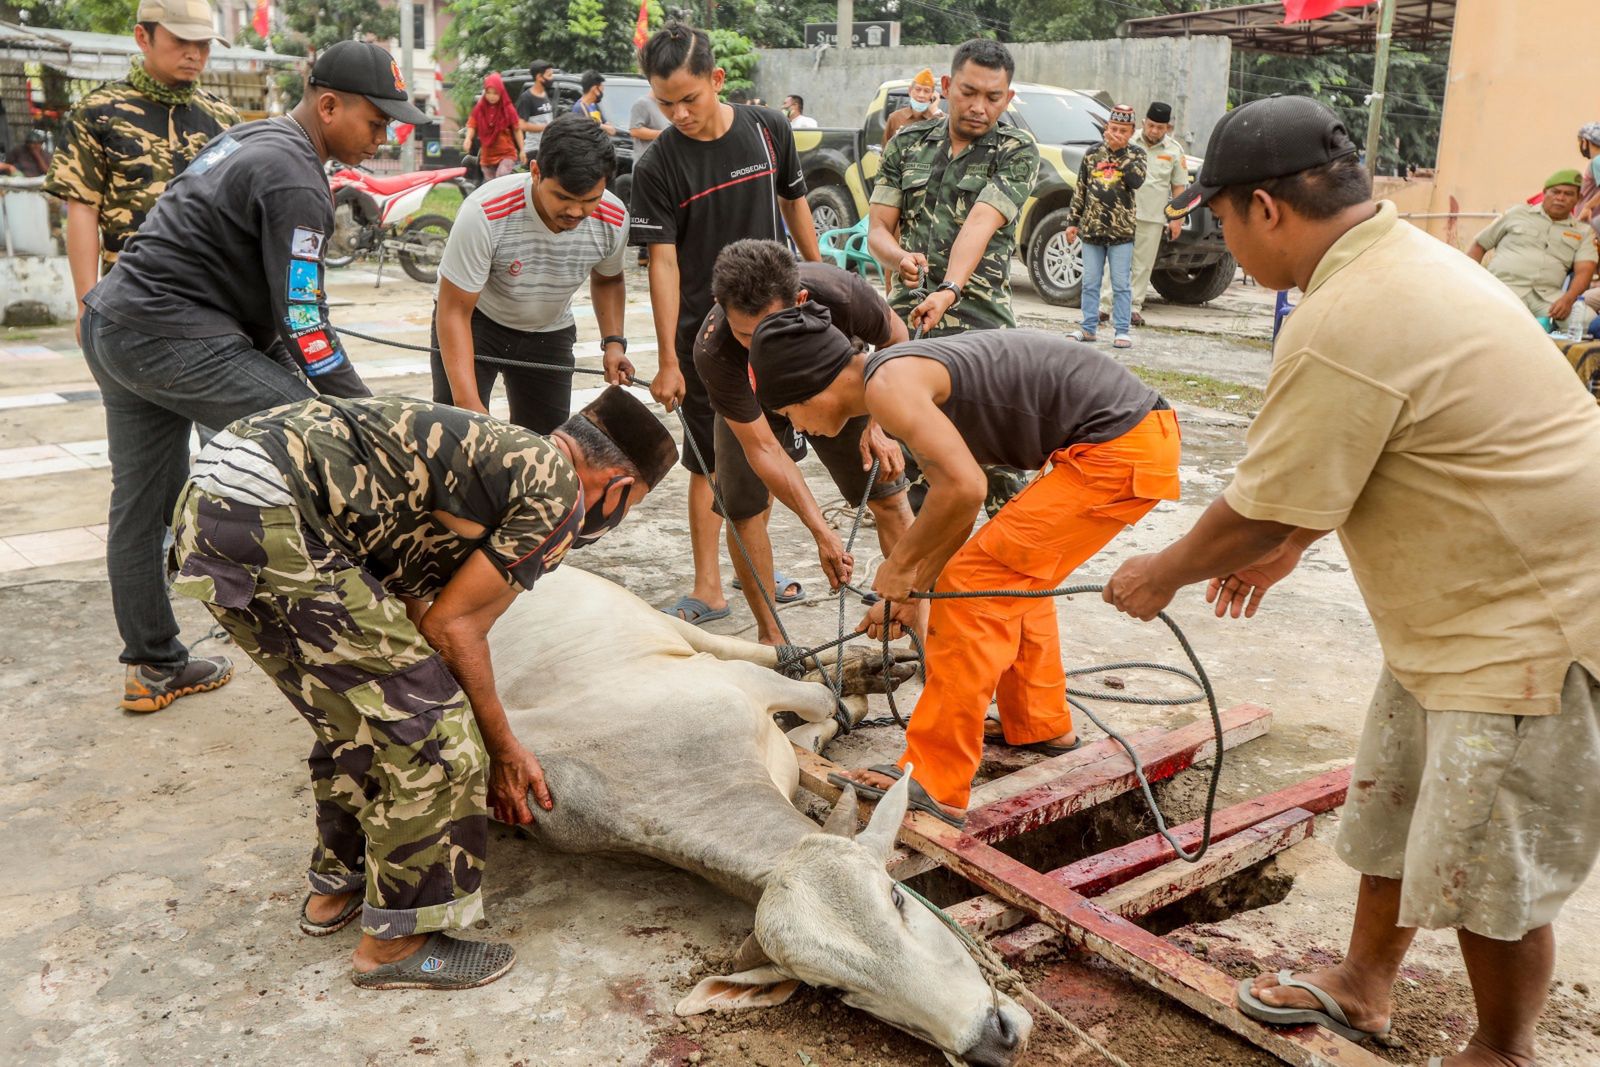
(97, 16)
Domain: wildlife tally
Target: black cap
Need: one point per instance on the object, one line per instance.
(539, 66)
(1159, 112)
(369, 71)
(621, 416)
(1264, 139)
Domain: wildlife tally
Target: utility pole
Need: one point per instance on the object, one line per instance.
(408, 151)
(1380, 76)
(846, 19)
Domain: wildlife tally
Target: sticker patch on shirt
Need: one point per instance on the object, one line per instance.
(215, 153)
(306, 243)
(314, 346)
(304, 282)
(304, 316)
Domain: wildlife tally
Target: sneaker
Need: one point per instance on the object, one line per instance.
(147, 688)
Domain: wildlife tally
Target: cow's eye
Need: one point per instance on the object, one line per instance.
(897, 898)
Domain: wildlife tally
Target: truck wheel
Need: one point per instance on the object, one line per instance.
(426, 235)
(831, 208)
(1198, 285)
(1055, 265)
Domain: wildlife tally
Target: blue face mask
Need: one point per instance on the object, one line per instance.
(919, 106)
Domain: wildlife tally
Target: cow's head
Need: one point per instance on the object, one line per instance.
(830, 916)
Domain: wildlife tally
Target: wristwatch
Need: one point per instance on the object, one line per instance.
(950, 287)
(613, 339)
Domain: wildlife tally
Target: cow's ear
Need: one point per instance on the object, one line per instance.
(878, 837)
(842, 820)
(763, 987)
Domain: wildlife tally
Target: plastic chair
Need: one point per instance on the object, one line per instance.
(847, 248)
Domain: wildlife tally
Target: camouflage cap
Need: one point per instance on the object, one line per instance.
(621, 416)
(190, 20)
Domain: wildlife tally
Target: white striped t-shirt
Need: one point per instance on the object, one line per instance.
(523, 272)
(236, 469)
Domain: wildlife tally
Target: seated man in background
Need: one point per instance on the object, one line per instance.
(1023, 398)
(1536, 246)
(520, 248)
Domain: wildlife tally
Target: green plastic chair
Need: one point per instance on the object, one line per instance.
(847, 248)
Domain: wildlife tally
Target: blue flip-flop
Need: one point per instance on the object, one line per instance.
(696, 611)
(780, 582)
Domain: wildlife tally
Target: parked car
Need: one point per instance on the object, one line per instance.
(841, 166)
(622, 92)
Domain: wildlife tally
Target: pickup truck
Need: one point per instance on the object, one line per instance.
(841, 164)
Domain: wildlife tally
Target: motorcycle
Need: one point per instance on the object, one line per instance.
(370, 213)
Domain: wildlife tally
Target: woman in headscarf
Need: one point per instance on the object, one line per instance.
(493, 125)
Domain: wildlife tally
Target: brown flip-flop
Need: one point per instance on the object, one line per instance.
(997, 736)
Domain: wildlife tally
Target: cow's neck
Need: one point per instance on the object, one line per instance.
(735, 844)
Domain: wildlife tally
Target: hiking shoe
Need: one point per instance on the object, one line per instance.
(147, 688)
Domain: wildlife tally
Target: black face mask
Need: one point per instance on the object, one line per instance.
(596, 524)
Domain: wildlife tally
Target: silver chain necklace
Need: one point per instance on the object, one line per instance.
(302, 130)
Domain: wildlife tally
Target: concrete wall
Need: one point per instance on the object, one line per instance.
(1511, 113)
(1191, 73)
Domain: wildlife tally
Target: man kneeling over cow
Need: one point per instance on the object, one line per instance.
(1021, 398)
(359, 551)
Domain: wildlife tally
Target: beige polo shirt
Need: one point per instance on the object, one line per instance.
(1416, 407)
(1164, 167)
(1533, 253)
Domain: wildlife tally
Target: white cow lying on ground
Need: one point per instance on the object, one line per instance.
(658, 738)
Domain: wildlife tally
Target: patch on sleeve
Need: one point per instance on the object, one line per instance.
(304, 282)
(320, 354)
(306, 243)
(304, 316)
(215, 153)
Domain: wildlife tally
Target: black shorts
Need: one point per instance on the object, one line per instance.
(540, 400)
(696, 408)
(745, 495)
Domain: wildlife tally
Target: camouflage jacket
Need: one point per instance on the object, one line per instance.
(1103, 202)
(367, 475)
(125, 141)
(934, 194)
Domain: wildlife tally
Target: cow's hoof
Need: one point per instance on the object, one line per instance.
(864, 671)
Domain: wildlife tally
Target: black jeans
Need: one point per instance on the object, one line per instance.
(154, 389)
(540, 400)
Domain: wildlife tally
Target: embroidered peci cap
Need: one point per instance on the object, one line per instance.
(622, 417)
(1122, 113)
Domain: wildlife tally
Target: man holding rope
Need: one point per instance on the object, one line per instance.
(520, 248)
(1022, 398)
(1457, 460)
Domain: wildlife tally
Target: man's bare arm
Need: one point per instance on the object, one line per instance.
(797, 213)
(1477, 252)
(456, 348)
(668, 385)
(83, 248)
(781, 475)
(883, 241)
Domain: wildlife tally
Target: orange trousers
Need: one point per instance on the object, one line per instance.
(1010, 647)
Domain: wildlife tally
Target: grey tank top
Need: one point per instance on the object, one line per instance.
(1016, 396)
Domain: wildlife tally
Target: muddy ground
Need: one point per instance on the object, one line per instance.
(156, 862)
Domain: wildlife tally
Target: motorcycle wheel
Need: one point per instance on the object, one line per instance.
(341, 250)
(430, 231)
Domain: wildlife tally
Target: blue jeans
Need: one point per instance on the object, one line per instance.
(1095, 258)
(154, 389)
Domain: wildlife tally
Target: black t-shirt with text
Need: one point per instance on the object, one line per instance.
(703, 195)
(532, 108)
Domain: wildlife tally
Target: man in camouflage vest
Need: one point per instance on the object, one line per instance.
(944, 215)
(359, 551)
(1103, 215)
(945, 206)
(127, 139)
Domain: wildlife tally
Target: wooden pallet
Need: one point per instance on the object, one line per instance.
(1028, 912)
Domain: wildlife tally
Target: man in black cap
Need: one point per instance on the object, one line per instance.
(534, 109)
(216, 312)
(1108, 447)
(1454, 452)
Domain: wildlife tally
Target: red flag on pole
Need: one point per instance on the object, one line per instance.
(641, 28)
(1306, 10)
(263, 21)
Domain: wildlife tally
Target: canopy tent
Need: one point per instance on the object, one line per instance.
(89, 56)
(1260, 27)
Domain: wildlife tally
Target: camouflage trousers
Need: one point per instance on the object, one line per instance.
(398, 770)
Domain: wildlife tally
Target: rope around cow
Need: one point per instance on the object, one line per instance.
(999, 975)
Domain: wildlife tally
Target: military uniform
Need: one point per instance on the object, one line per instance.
(934, 194)
(1533, 253)
(298, 529)
(125, 141)
(1165, 169)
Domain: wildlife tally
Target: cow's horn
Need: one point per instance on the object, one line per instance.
(750, 955)
(842, 820)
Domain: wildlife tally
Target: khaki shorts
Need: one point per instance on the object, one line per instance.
(1490, 821)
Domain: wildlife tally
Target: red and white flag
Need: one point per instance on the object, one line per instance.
(1306, 10)
(641, 26)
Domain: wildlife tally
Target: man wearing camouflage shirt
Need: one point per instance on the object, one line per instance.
(1103, 214)
(359, 551)
(127, 139)
(946, 201)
